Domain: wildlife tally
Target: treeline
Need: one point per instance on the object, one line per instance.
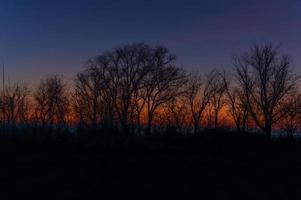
(138, 89)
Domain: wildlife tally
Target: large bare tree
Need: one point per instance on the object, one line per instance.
(117, 82)
(163, 84)
(265, 77)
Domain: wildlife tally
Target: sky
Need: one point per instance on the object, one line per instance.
(44, 37)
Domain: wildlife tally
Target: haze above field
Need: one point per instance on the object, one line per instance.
(46, 37)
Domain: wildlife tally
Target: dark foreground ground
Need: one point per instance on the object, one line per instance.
(221, 166)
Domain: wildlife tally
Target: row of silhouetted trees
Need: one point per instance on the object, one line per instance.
(138, 89)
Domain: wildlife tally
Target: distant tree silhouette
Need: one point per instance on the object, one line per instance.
(51, 103)
(163, 84)
(17, 105)
(291, 120)
(265, 77)
(119, 83)
(198, 94)
(131, 65)
(236, 104)
(217, 99)
(89, 102)
(176, 113)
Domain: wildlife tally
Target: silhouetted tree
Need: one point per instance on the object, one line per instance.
(163, 84)
(51, 103)
(198, 94)
(266, 79)
(217, 100)
(291, 120)
(17, 105)
(236, 104)
(89, 103)
(132, 63)
(116, 84)
(176, 113)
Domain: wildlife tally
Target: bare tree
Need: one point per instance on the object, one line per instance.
(198, 94)
(51, 103)
(118, 79)
(88, 99)
(176, 113)
(291, 120)
(236, 105)
(217, 101)
(266, 79)
(162, 85)
(131, 63)
(17, 105)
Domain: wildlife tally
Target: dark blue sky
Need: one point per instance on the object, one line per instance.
(40, 37)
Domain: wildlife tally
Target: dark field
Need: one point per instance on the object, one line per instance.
(211, 166)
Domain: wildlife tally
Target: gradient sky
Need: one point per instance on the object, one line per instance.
(42, 37)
